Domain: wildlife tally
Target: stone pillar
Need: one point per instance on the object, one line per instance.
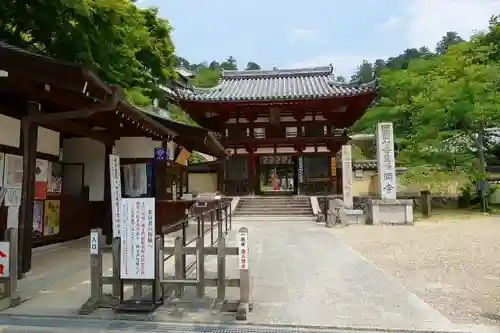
(386, 163)
(388, 209)
(347, 176)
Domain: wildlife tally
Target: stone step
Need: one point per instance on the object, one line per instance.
(275, 207)
(242, 219)
(254, 213)
(291, 206)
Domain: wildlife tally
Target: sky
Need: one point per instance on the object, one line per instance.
(308, 33)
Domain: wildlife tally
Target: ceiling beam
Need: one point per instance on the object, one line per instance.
(69, 126)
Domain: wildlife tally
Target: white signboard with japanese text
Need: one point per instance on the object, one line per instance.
(386, 161)
(13, 171)
(94, 242)
(12, 197)
(243, 250)
(137, 238)
(300, 169)
(347, 176)
(116, 192)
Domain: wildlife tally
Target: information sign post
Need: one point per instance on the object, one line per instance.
(138, 251)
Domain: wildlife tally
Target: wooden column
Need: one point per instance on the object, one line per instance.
(107, 223)
(251, 171)
(160, 176)
(29, 142)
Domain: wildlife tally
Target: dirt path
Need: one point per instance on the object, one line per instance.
(454, 265)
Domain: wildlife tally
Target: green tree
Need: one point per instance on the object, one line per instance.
(123, 44)
(252, 66)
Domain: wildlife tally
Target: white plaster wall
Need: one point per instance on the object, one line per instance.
(10, 131)
(130, 147)
(10, 135)
(48, 141)
(91, 154)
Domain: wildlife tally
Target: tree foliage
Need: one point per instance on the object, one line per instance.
(123, 44)
(441, 104)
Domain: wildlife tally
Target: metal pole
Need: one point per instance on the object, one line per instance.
(211, 227)
(198, 222)
(184, 244)
(225, 216)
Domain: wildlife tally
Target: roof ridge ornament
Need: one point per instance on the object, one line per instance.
(287, 72)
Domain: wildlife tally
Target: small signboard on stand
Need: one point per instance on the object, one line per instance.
(138, 254)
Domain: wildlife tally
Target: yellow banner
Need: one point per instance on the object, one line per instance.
(333, 166)
(52, 217)
(183, 157)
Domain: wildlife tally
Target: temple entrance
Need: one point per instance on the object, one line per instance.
(277, 175)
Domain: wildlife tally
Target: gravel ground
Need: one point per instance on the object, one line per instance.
(451, 263)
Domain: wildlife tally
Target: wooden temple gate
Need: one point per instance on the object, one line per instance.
(66, 98)
(281, 128)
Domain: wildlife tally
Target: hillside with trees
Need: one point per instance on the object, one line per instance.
(432, 96)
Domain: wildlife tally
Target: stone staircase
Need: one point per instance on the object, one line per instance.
(274, 206)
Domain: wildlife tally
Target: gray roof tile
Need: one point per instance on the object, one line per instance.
(278, 84)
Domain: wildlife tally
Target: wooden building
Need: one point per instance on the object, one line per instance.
(59, 123)
(283, 128)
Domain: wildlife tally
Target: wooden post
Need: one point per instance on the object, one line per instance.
(160, 271)
(221, 268)
(29, 142)
(116, 248)
(13, 292)
(179, 270)
(244, 304)
(96, 267)
(425, 203)
(107, 224)
(200, 267)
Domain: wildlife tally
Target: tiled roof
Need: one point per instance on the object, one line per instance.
(278, 84)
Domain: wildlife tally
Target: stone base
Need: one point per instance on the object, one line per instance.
(390, 211)
(354, 216)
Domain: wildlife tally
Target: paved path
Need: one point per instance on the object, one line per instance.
(304, 275)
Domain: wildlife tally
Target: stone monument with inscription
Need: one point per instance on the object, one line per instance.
(388, 209)
(347, 176)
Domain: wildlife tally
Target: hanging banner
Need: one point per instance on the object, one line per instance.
(13, 171)
(116, 192)
(41, 179)
(333, 166)
(2, 166)
(137, 238)
(170, 150)
(12, 197)
(52, 216)
(300, 169)
(160, 154)
(38, 219)
(54, 178)
(183, 157)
